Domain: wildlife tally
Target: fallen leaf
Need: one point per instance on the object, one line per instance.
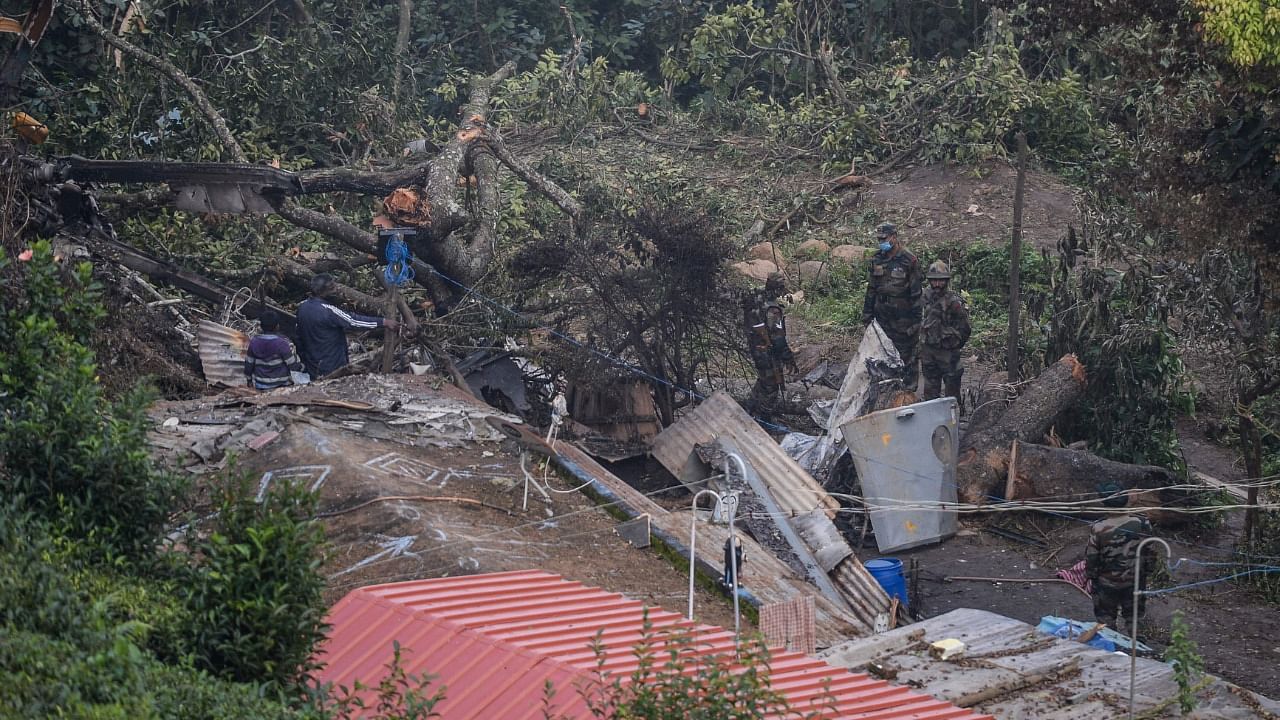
(25, 255)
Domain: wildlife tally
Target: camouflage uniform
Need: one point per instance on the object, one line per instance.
(766, 331)
(944, 331)
(893, 300)
(1109, 564)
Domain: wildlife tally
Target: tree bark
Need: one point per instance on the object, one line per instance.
(1061, 475)
(994, 397)
(984, 454)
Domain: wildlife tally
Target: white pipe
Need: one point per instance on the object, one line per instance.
(733, 542)
(693, 540)
(1133, 627)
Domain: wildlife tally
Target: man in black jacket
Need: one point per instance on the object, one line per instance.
(322, 329)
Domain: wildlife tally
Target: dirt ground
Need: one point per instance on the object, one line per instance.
(943, 203)
(394, 511)
(1233, 627)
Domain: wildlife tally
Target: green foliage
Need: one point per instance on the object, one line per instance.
(400, 696)
(1116, 322)
(255, 592)
(964, 111)
(67, 452)
(1183, 654)
(74, 638)
(1250, 29)
(674, 678)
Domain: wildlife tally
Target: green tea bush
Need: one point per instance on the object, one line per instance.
(254, 591)
(67, 452)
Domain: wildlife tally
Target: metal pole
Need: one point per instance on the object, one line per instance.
(733, 540)
(1133, 626)
(693, 541)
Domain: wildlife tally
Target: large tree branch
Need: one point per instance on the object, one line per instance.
(552, 191)
(170, 71)
(339, 229)
(447, 214)
(370, 182)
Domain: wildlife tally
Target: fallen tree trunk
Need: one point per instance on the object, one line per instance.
(1063, 475)
(197, 285)
(1038, 472)
(1037, 408)
(984, 454)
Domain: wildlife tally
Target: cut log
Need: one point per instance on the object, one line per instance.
(1039, 472)
(984, 453)
(1036, 409)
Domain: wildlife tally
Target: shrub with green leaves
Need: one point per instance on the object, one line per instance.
(66, 451)
(674, 678)
(254, 591)
(74, 639)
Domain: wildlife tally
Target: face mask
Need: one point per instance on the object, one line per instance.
(885, 246)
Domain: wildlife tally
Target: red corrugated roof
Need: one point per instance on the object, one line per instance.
(494, 641)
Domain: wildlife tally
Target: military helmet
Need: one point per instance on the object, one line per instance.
(938, 271)
(886, 230)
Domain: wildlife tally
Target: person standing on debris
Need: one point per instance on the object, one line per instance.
(270, 359)
(944, 331)
(322, 328)
(1110, 559)
(893, 299)
(766, 331)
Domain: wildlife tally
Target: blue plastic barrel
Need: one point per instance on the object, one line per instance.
(888, 572)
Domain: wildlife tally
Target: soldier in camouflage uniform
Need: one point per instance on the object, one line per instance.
(944, 331)
(1110, 560)
(766, 331)
(893, 298)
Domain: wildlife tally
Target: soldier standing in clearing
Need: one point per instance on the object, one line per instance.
(944, 331)
(1110, 560)
(766, 332)
(893, 298)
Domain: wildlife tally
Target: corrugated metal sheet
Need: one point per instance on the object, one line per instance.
(1012, 649)
(721, 416)
(767, 579)
(222, 351)
(794, 489)
(494, 641)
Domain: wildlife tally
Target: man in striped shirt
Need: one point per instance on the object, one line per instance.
(270, 357)
(322, 329)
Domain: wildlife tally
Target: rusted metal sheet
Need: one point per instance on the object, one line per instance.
(795, 491)
(222, 351)
(494, 642)
(1013, 649)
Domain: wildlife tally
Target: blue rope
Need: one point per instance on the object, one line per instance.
(398, 271)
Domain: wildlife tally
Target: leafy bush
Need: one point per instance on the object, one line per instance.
(1116, 322)
(74, 637)
(400, 695)
(254, 591)
(676, 679)
(67, 452)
